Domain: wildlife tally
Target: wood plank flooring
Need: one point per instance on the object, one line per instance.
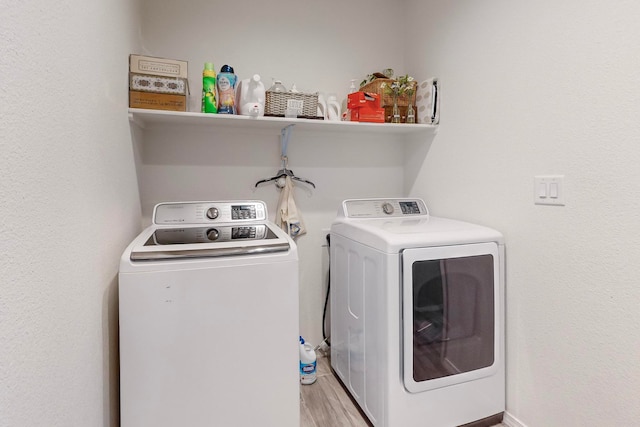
(326, 403)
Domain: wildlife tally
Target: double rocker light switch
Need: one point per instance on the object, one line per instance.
(548, 190)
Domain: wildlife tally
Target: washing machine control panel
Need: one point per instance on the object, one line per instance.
(210, 212)
(218, 234)
(384, 208)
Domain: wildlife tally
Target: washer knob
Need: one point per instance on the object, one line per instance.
(212, 213)
(387, 208)
(213, 234)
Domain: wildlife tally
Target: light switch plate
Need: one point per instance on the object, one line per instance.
(548, 190)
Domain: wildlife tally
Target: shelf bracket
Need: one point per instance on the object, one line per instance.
(133, 119)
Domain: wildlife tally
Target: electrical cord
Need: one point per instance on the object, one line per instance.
(326, 300)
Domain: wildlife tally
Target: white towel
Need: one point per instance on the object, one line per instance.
(288, 217)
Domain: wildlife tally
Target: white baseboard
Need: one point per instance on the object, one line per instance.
(511, 421)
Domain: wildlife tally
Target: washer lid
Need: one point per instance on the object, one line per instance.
(165, 243)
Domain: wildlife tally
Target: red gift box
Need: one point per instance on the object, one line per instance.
(363, 99)
(365, 114)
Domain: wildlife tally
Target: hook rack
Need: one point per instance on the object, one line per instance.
(285, 171)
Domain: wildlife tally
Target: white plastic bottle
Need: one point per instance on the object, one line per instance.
(307, 363)
(333, 108)
(346, 113)
(251, 97)
(322, 106)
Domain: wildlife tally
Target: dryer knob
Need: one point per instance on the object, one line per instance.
(387, 208)
(213, 234)
(212, 213)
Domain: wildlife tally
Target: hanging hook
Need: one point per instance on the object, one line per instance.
(284, 170)
(285, 135)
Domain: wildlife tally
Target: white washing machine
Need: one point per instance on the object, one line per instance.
(209, 319)
(417, 315)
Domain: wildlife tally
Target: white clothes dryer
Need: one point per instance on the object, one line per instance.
(417, 315)
(208, 298)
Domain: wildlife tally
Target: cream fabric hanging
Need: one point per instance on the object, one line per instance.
(288, 217)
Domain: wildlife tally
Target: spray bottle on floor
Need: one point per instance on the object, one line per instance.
(307, 363)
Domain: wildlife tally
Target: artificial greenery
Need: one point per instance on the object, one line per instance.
(403, 85)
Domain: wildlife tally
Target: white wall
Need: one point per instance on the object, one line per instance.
(69, 204)
(307, 43)
(533, 88)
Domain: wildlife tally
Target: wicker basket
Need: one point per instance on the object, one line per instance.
(276, 104)
(386, 99)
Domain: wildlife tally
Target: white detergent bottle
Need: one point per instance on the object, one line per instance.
(250, 97)
(333, 108)
(322, 106)
(307, 363)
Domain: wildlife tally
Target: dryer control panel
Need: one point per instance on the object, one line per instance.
(209, 212)
(383, 208)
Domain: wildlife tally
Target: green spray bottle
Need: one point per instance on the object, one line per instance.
(209, 102)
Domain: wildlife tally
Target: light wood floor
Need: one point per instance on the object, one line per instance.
(326, 403)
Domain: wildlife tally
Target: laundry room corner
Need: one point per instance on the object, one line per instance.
(416, 150)
(228, 164)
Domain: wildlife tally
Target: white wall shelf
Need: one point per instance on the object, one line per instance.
(153, 118)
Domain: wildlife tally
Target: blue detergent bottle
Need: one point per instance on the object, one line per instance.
(226, 83)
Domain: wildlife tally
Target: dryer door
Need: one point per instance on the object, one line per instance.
(450, 314)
